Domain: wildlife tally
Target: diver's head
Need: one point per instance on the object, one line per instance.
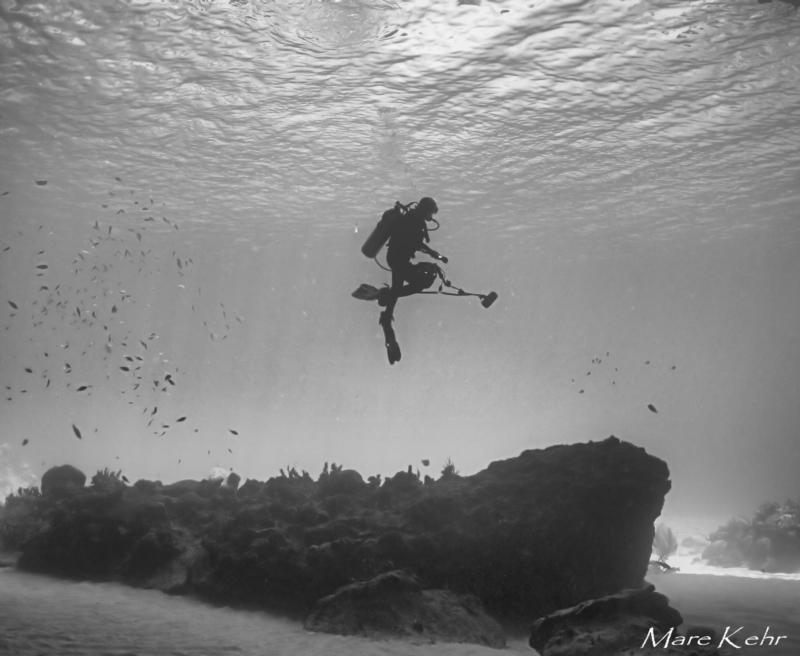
(427, 206)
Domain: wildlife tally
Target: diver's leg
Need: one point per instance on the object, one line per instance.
(392, 347)
(408, 289)
(405, 272)
(387, 316)
(401, 266)
(389, 338)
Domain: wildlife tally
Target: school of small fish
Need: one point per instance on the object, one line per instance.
(93, 301)
(88, 304)
(609, 374)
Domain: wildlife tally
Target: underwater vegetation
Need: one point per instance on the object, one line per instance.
(664, 542)
(769, 541)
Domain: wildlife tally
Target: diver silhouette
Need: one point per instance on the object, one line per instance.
(407, 237)
(405, 228)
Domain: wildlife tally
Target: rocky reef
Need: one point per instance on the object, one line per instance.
(769, 541)
(395, 604)
(633, 621)
(545, 530)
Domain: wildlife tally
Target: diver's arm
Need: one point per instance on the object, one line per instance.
(427, 249)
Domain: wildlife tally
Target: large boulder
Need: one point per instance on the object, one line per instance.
(634, 621)
(62, 479)
(394, 605)
(547, 529)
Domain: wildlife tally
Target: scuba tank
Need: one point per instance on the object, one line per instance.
(383, 229)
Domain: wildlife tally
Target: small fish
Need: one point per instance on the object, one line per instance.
(233, 432)
(77, 432)
(180, 419)
(652, 408)
(13, 305)
(41, 183)
(25, 441)
(42, 266)
(113, 309)
(117, 178)
(82, 388)
(229, 451)
(29, 370)
(125, 368)
(125, 479)
(426, 462)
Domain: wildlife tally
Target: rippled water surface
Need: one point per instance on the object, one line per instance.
(625, 118)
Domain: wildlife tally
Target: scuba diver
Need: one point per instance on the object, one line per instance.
(405, 228)
(408, 236)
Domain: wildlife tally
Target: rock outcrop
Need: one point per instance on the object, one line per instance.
(527, 535)
(394, 605)
(633, 621)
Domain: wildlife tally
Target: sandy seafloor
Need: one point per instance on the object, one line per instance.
(40, 615)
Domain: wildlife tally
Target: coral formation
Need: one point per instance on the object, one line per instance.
(770, 541)
(526, 536)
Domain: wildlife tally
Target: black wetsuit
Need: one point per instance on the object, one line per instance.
(409, 235)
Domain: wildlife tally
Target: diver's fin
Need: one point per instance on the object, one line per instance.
(393, 352)
(366, 292)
